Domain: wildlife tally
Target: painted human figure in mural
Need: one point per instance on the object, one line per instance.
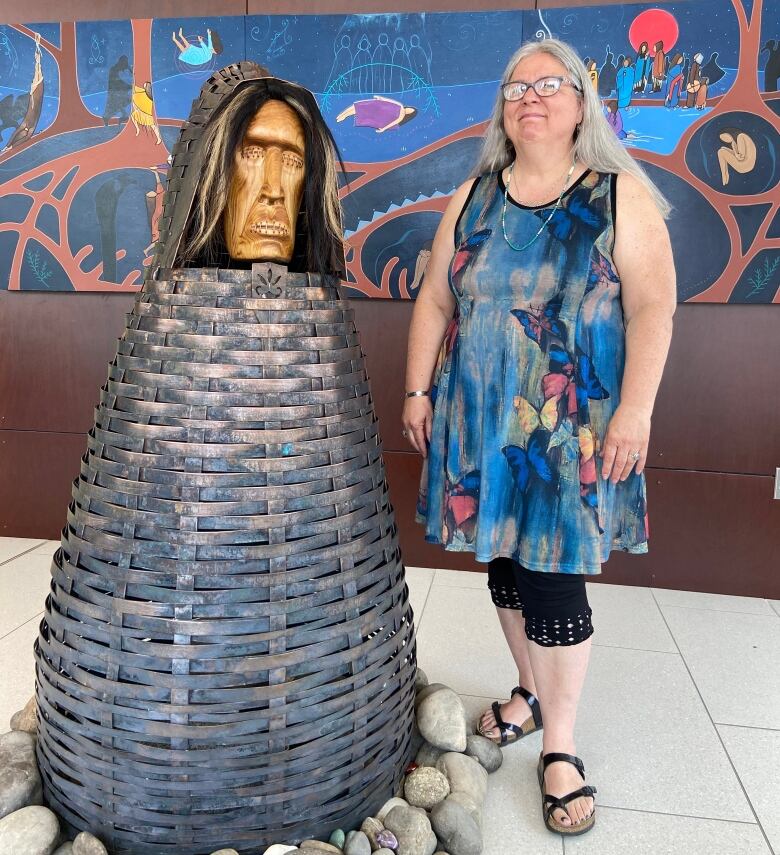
(142, 115)
(399, 77)
(593, 73)
(381, 62)
(738, 153)
(120, 85)
(625, 83)
(694, 81)
(419, 59)
(361, 67)
(701, 95)
(200, 53)
(607, 74)
(615, 119)
(154, 204)
(378, 112)
(35, 104)
(674, 81)
(659, 66)
(642, 68)
(772, 67)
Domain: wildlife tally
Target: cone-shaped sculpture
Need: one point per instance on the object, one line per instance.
(227, 656)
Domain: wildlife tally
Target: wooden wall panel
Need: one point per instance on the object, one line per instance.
(36, 472)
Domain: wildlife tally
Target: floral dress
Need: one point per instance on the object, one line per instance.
(528, 378)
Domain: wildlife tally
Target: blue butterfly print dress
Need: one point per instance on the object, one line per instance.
(527, 380)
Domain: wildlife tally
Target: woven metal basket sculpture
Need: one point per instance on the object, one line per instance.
(227, 656)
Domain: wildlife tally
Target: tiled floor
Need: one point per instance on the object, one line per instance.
(679, 724)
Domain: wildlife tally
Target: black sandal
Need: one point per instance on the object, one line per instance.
(551, 803)
(509, 733)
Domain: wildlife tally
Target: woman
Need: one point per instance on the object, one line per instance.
(675, 80)
(738, 152)
(535, 449)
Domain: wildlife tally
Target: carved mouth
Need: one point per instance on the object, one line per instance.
(269, 228)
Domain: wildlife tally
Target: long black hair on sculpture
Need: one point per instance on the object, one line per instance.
(195, 237)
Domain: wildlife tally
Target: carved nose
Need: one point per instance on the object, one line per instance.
(271, 189)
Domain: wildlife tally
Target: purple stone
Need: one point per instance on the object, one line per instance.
(387, 839)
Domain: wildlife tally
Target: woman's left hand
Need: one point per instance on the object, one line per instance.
(628, 432)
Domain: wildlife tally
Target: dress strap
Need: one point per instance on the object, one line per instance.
(478, 203)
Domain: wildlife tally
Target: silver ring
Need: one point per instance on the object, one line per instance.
(403, 433)
(636, 455)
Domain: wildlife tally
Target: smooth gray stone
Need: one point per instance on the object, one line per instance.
(429, 754)
(357, 844)
(321, 846)
(383, 851)
(281, 849)
(465, 775)
(25, 718)
(456, 829)
(65, 849)
(33, 830)
(412, 829)
(225, 852)
(388, 806)
(441, 718)
(420, 680)
(427, 691)
(371, 827)
(471, 807)
(426, 787)
(20, 783)
(485, 752)
(87, 844)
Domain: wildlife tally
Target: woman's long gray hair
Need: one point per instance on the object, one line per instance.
(595, 144)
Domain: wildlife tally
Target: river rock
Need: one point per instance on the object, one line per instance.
(485, 752)
(320, 846)
(280, 849)
(337, 838)
(33, 830)
(441, 718)
(371, 827)
(465, 775)
(412, 830)
(427, 691)
(384, 851)
(225, 852)
(456, 828)
(87, 844)
(20, 783)
(388, 806)
(429, 754)
(357, 844)
(386, 839)
(426, 787)
(25, 719)
(65, 849)
(469, 805)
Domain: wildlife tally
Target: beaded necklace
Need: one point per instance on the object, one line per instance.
(544, 224)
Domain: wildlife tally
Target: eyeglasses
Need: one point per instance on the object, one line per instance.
(544, 87)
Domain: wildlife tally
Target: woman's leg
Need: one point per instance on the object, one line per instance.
(558, 627)
(509, 609)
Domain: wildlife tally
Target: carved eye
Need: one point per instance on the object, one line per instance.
(253, 152)
(292, 160)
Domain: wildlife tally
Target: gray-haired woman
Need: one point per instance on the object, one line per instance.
(556, 318)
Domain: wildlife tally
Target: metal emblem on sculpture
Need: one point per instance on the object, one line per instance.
(227, 656)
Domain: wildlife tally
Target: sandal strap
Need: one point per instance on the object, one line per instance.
(504, 727)
(552, 803)
(555, 756)
(533, 703)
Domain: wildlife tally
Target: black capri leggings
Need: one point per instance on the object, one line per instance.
(554, 605)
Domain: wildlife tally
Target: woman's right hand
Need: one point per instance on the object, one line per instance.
(417, 419)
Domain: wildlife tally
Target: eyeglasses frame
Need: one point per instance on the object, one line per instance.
(528, 85)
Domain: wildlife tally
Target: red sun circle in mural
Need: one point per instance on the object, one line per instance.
(651, 26)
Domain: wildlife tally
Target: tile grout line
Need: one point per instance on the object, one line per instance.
(748, 726)
(26, 552)
(11, 632)
(770, 613)
(715, 728)
(418, 623)
(683, 815)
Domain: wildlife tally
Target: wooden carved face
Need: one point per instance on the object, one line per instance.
(267, 186)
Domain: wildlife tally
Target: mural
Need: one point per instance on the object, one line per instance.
(89, 113)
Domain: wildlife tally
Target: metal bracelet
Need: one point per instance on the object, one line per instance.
(418, 393)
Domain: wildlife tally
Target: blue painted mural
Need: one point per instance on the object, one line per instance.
(89, 113)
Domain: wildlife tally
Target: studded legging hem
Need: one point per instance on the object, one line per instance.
(554, 605)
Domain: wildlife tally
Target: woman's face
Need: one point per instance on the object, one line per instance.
(537, 120)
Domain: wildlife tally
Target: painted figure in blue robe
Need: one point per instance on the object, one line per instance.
(642, 68)
(200, 53)
(674, 81)
(625, 83)
(615, 119)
